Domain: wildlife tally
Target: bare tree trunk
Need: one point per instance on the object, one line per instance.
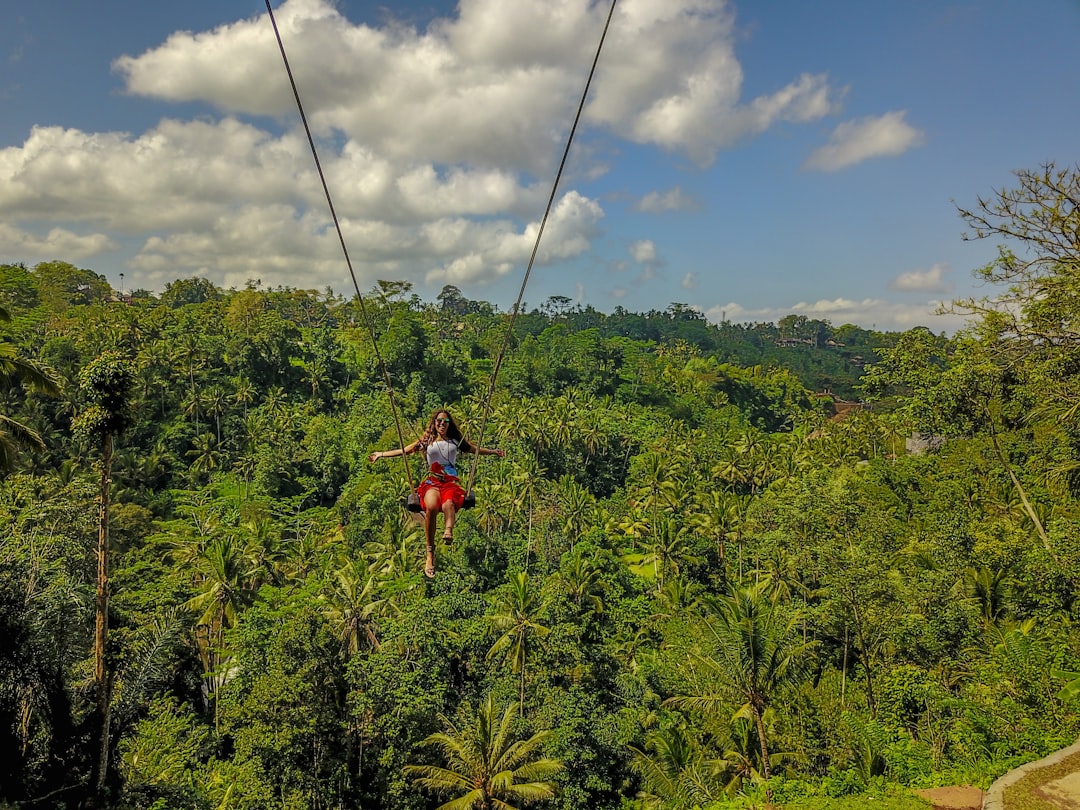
(102, 681)
(843, 673)
(1028, 508)
(766, 770)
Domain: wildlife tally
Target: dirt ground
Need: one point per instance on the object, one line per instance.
(956, 797)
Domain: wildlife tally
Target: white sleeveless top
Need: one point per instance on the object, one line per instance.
(444, 452)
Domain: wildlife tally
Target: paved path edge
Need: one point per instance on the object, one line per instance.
(995, 796)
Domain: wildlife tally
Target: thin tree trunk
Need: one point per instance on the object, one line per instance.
(1028, 508)
(843, 673)
(101, 625)
(766, 771)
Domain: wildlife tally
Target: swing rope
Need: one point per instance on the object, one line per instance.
(345, 251)
(536, 246)
(515, 310)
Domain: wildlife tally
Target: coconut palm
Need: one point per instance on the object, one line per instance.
(987, 589)
(656, 487)
(351, 605)
(205, 454)
(664, 548)
(576, 507)
(485, 768)
(14, 368)
(219, 597)
(674, 772)
(753, 649)
(517, 619)
(582, 577)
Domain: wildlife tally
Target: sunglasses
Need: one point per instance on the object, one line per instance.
(442, 421)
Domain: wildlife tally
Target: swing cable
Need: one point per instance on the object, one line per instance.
(536, 246)
(344, 250)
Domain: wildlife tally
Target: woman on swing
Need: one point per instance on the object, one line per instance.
(441, 490)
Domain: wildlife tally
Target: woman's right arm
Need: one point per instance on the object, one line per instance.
(397, 451)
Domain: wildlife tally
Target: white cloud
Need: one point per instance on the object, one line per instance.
(473, 89)
(853, 142)
(690, 281)
(869, 313)
(178, 175)
(644, 252)
(674, 199)
(487, 251)
(926, 281)
(58, 243)
(432, 141)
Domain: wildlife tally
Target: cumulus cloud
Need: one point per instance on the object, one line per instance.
(869, 313)
(20, 245)
(690, 281)
(178, 175)
(644, 251)
(474, 89)
(494, 249)
(925, 281)
(853, 142)
(437, 142)
(674, 199)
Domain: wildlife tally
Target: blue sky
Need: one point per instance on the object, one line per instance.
(748, 159)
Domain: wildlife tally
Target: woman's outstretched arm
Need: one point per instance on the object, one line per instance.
(397, 451)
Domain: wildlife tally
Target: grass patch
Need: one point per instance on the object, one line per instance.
(1020, 795)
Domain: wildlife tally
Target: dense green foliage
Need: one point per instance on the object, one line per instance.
(693, 580)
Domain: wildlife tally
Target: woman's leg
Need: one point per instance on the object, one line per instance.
(431, 513)
(449, 513)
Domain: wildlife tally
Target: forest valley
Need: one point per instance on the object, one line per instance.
(695, 580)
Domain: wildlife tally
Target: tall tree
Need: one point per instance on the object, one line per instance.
(15, 369)
(675, 773)
(486, 769)
(106, 382)
(517, 618)
(752, 649)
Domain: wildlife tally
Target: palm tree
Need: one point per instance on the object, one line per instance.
(190, 352)
(244, 393)
(351, 604)
(674, 773)
(219, 579)
(577, 507)
(206, 455)
(753, 650)
(742, 753)
(665, 549)
(13, 369)
(193, 404)
(391, 555)
(583, 580)
(215, 401)
(712, 517)
(987, 589)
(155, 369)
(263, 551)
(486, 769)
(106, 381)
(516, 617)
(656, 487)
(592, 428)
(15, 436)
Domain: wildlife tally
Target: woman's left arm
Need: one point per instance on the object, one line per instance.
(491, 451)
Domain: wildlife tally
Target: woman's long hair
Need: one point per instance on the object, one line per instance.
(453, 432)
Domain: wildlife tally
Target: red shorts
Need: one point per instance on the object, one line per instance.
(448, 489)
